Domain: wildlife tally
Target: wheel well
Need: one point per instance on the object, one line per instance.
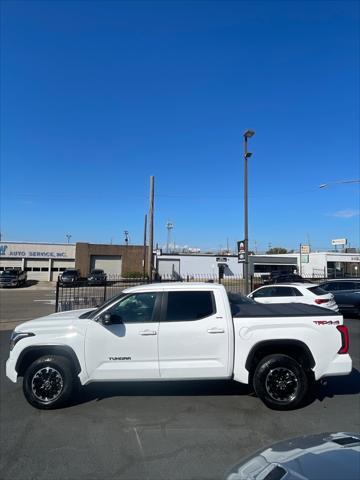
(295, 349)
(30, 354)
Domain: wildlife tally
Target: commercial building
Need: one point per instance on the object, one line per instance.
(45, 261)
(113, 259)
(328, 264)
(315, 264)
(41, 261)
(184, 265)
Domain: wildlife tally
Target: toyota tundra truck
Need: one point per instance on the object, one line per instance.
(180, 331)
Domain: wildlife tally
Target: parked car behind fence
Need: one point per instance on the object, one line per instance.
(346, 293)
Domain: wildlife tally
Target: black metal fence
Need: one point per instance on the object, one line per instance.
(84, 295)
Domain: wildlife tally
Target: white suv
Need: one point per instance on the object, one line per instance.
(295, 292)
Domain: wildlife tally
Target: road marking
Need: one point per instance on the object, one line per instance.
(46, 301)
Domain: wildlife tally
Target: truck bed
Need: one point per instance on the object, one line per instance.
(282, 310)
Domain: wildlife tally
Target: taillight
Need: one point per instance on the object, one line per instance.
(344, 338)
(319, 301)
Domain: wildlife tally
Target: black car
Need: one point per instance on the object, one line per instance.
(97, 277)
(284, 278)
(70, 278)
(12, 278)
(346, 293)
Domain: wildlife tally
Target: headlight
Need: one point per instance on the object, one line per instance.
(16, 336)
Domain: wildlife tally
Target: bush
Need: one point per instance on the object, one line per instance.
(132, 275)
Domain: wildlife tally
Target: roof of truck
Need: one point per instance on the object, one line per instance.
(154, 287)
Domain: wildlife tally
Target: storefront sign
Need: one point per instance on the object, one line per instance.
(22, 250)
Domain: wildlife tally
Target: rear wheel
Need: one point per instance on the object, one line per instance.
(48, 382)
(281, 382)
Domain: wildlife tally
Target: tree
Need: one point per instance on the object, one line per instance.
(275, 250)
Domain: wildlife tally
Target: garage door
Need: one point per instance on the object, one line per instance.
(10, 263)
(111, 264)
(37, 269)
(58, 266)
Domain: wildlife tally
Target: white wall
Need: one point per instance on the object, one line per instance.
(200, 264)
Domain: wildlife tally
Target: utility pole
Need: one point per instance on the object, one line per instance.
(144, 254)
(248, 134)
(169, 227)
(68, 238)
(151, 229)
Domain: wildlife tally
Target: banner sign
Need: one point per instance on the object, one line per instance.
(241, 251)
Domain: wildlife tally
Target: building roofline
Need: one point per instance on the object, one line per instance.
(37, 243)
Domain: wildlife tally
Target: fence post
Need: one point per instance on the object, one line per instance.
(105, 290)
(57, 296)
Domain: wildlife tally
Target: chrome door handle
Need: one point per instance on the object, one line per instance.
(147, 332)
(216, 330)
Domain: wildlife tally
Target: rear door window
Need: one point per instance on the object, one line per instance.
(283, 292)
(189, 306)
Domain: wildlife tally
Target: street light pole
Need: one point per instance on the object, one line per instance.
(248, 134)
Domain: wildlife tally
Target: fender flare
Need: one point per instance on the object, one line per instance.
(36, 351)
(281, 344)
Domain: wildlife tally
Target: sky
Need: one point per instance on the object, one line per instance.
(96, 96)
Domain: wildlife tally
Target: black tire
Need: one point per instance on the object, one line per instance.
(49, 382)
(281, 382)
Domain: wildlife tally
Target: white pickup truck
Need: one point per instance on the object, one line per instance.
(180, 331)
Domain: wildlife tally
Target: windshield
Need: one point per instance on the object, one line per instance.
(69, 273)
(8, 273)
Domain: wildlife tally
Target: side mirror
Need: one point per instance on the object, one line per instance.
(109, 319)
(106, 319)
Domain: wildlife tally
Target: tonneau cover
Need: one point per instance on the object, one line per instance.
(281, 310)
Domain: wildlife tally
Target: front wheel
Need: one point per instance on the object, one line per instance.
(48, 382)
(281, 382)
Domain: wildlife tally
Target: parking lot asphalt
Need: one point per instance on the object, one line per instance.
(19, 305)
(170, 430)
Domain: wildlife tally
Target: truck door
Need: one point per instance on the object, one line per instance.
(127, 348)
(193, 335)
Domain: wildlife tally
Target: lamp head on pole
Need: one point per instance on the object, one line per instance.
(249, 133)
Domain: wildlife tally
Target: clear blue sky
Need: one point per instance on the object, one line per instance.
(96, 96)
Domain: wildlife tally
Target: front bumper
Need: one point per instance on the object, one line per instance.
(341, 365)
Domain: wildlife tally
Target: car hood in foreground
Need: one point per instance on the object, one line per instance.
(333, 456)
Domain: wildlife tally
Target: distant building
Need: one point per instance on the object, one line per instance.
(45, 261)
